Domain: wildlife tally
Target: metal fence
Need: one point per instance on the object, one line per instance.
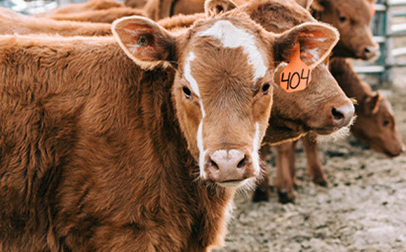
(388, 25)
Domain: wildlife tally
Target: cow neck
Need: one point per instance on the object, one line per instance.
(206, 202)
(349, 81)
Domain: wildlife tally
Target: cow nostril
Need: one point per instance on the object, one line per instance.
(214, 165)
(367, 50)
(242, 162)
(337, 114)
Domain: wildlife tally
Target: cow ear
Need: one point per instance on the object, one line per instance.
(305, 3)
(316, 41)
(213, 8)
(318, 5)
(371, 105)
(144, 41)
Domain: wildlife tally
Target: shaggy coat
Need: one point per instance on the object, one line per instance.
(99, 154)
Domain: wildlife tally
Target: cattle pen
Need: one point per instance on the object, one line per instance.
(362, 205)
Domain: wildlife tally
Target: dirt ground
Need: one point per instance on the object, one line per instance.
(362, 209)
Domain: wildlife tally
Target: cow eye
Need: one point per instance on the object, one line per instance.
(187, 92)
(265, 88)
(342, 19)
(386, 123)
(142, 40)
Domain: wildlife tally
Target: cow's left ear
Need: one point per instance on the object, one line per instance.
(305, 3)
(144, 41)
(316, 41)
(371, 104)
(213, 8)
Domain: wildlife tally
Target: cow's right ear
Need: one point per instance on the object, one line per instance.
(213, 8)
(316, 41)
(144, 41)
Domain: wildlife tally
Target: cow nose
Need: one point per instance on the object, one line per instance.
(342, 115)
(372, 52)
(228, 166)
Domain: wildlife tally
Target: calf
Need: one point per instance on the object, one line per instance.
(347, 20)
(375, 126)
(140, 145)
(352, 19)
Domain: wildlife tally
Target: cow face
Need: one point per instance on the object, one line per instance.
(352, 19)
(222, 91)
(322, 107)
(376, 126)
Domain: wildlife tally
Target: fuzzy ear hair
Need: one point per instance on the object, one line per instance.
(305, 3)
(372, 103)
(213, 8)
(316, 42)
(278, 71)
(144, 41)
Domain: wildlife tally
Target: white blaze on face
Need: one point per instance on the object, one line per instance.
(195, 89)
(255, 146)
(234, 37)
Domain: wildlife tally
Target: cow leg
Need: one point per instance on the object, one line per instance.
(313, 162)
(292, 164)
(263, 191)
(283, 181)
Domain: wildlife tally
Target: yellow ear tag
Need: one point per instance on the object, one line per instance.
(373, 11)
(297, 75)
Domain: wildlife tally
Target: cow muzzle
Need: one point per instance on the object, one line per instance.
(229, 168)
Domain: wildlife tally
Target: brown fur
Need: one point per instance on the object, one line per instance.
(292, 115)
(99, 16)
(375, 126)
(86, 6)
(98, 154)
(12, 22)
(355, 34)
(355, 37)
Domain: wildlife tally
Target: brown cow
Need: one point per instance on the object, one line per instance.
(375, 126)
(323, 92)
(352, 19)
(137, 147)
(347, 19)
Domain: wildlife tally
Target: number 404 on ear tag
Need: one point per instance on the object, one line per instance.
(297, 75)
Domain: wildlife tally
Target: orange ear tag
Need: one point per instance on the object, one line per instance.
(297, 75)
(373, 11)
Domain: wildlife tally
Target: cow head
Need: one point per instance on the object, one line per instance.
(376, 126)
(352, 19)
(223, 86)
(322, 107)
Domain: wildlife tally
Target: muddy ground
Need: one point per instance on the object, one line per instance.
(362, 209)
